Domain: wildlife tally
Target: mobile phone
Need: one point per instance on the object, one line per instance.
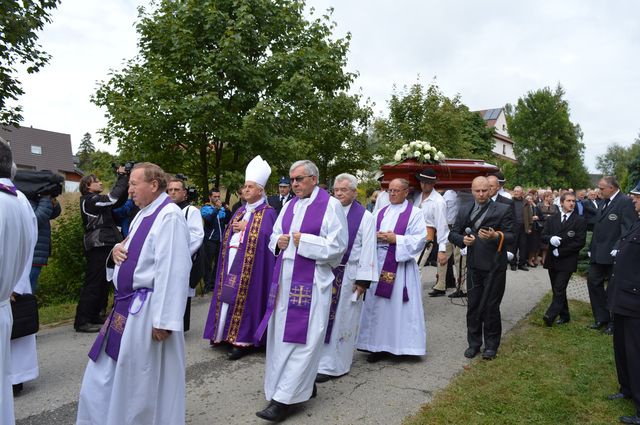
(487, 228)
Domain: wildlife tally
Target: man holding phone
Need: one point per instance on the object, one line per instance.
(485, 228)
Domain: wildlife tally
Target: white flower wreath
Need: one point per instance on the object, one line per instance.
(420, 151)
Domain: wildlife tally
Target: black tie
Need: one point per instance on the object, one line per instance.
(606, 203)
(564, 218)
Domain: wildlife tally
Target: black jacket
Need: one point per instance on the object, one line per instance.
(623, 293)
(274, 201)
(573, 233)
(611, 224)
(45, 211)
(481, 255)
(99, 226)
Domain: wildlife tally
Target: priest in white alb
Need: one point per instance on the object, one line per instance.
(309, 239)
(17, 244)
(393, 317)
(358, 268)
(136, 371)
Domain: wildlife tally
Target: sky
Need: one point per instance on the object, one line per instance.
(490, 53)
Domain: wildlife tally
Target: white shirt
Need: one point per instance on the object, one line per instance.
(451, 199)
(434, 210)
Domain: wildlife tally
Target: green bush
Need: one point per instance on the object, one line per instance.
(62, 279)
(583, 258)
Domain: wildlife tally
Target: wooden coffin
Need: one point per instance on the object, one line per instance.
(454, 174)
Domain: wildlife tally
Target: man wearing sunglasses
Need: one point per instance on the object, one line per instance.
(309, 239)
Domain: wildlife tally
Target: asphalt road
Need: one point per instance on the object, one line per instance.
(226, 392)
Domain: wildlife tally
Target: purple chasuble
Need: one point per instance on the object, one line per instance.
(244, 288)
(11, 190)
(354, 218)
(390, 266)
(113, 328)
(297, 320)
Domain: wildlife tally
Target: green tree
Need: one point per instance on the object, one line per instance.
(19, 22)
(427, 114)
(85, 151)
(617, 161)
(547, 144)
(216, 82)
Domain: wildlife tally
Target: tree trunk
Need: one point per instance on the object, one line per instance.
(204, 170)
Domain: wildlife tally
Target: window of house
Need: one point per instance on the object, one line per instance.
(36, 149)
(504, 148)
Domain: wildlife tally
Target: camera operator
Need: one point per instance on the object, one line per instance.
(100, 235)
(215, 218)
(46, 208)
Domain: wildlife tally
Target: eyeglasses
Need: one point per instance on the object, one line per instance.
(393, 191)
(299, 179)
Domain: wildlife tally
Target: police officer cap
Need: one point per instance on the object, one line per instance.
(426, 175)
(636, 190)
(284, 181)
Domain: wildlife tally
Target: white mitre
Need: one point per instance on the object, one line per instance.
(258, 171)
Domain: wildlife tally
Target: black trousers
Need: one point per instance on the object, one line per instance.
(598, 273)
(519, 247)
(626, 349)
(211, 250)
(559, 305)
(486, 295)
(187, 316)
(94, 294)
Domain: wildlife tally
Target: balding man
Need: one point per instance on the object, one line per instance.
(485, 228)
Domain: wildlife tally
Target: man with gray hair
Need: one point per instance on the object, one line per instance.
(309, 239)
(18, 241)
(357, 270)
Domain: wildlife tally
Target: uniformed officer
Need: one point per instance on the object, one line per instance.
(624, 304)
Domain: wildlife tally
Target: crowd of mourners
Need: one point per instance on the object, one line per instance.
(309, 274)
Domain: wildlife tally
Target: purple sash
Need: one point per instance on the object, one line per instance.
(297, 320)
(390, 266)
(113, 327)
(11, 190)
(356, 212)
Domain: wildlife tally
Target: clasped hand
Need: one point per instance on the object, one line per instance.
(386, 237)
(239, 226)
(119, 253)
(283, 240)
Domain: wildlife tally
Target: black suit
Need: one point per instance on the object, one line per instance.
(624, 303)
(573, 233)
(486, 273)
(518, 232)
(276, 203)
(611, 222)
(590, 212)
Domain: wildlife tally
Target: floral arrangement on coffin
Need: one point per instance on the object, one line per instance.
(420, 151)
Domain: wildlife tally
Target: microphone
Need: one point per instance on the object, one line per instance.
(468, 231)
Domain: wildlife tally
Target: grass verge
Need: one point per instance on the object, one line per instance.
(558, 375)
(57, 313)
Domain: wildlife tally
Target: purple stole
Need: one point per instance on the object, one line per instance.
(354, 217)
(113, 327)
(11, 190)
(390, 266)
(297, 320)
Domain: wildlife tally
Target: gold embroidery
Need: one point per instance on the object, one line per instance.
(117, 322)
(387, 278)
(300, 296)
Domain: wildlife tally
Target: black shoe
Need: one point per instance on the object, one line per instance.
(437, 293)
(88, 328)
(17, 389)
(457, 294)
(598, 325)
(562, 321)
(618, 396)
(376, 357)
(236, 353)
(321, 377)
(274, 412)
(609, 329)
(635, 420)
(548, 321)
(488, 354)
(471, 352)
(523, 267)
(514, 267)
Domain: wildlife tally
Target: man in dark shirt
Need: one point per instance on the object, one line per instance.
(215, 217)
(284, 194)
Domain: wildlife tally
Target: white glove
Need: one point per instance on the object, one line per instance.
(614, 252)
(555, 241)
(555, 252)
(509, 255)
(463, 251)
(589, 254)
